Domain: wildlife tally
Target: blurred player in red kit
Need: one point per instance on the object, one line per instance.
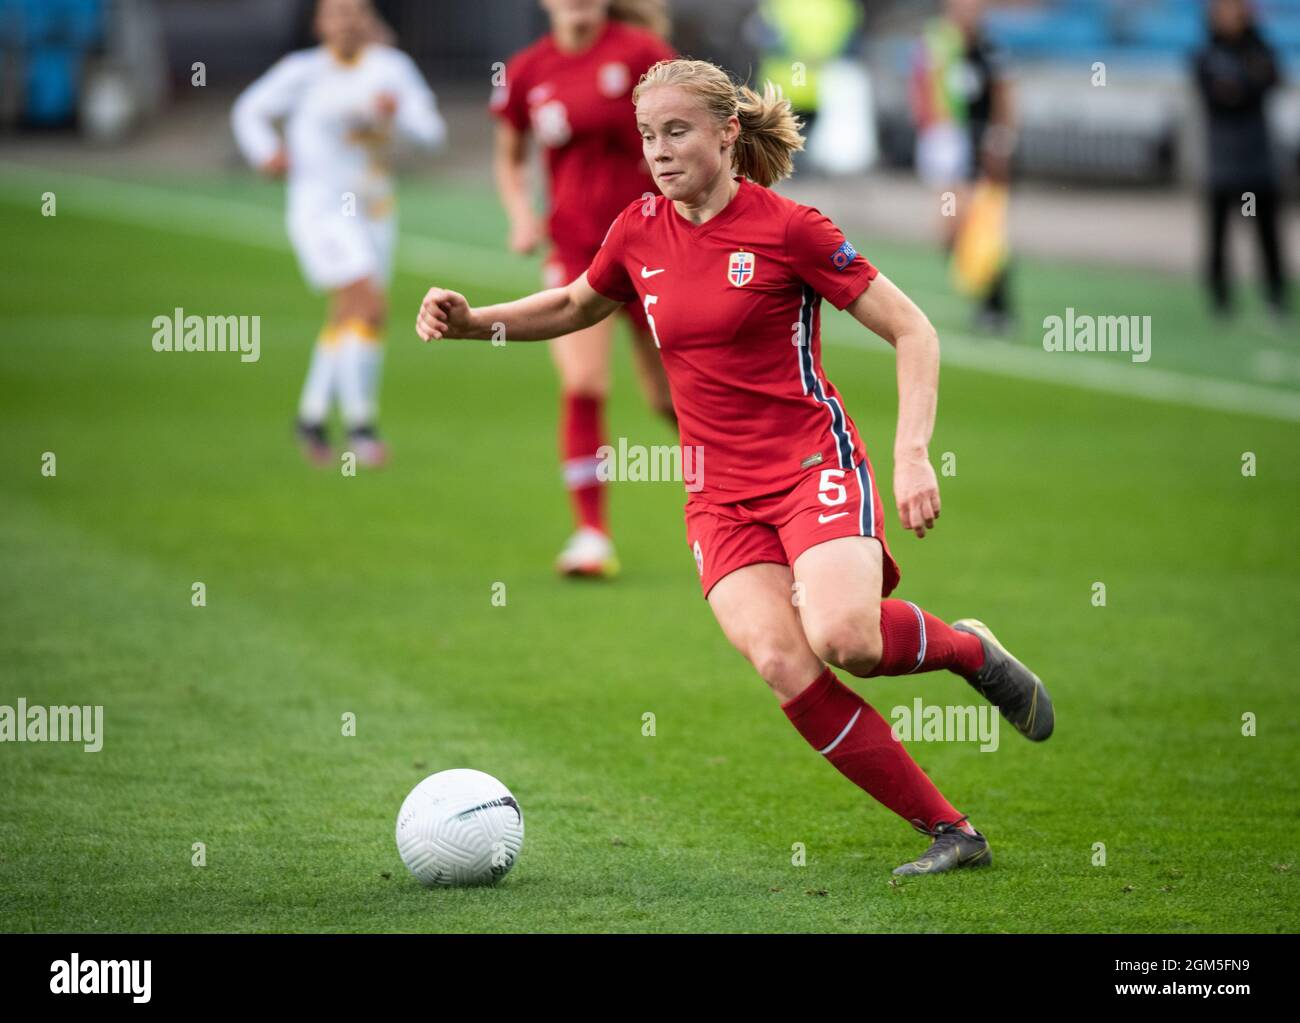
(571, 91)
(787, 530)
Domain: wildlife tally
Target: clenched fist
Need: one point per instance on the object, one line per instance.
(916, 490)
(444, 314)
(277, 166)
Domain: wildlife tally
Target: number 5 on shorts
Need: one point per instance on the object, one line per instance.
(832, 492)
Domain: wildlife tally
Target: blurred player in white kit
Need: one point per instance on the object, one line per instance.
(340, 105)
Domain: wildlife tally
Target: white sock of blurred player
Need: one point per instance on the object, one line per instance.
(318, 388)
(317, 393)
(361, 357)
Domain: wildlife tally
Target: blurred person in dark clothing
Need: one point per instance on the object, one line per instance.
(1235, 71)
(962, 101)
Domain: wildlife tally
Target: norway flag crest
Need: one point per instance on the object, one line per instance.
(740, 271)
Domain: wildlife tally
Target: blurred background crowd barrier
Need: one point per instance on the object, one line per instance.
(111, 68)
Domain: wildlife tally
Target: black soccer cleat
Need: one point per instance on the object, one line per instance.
(314, 443)
(1011, 687)
(952, 848)
(365, 444)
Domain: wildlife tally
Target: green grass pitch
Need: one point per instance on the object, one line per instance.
(372, 595)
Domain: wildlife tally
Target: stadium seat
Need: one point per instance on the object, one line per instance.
(53, 75)
(50, 40)
(1159, 31)
(1046, 34)
(1283, 31)
(1172, 29)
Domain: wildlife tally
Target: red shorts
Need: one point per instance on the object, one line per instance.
(825, 504)
(564, 266)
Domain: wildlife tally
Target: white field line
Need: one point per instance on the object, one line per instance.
(249, 224)
(241, 222)
(1090, 372)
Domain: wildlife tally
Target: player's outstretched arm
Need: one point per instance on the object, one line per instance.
(270, 98)
(414, 107)
(510, 168)
(886, 311)
(537, 317)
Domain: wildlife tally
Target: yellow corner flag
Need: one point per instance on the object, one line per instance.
(981, 249)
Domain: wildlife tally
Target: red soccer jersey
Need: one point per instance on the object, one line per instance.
(735, 308)
(579, 108)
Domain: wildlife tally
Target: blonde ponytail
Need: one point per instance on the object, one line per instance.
(769, 135)
(769, 131)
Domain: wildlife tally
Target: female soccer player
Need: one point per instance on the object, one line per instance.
(341, 103)
(570, 90)
(788, 530)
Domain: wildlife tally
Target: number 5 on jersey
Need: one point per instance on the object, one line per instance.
(649, 301)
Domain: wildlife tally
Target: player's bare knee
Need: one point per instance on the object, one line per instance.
(774, 662)
(376, 312)
(366, 304)
(865, 656)
(848, 643)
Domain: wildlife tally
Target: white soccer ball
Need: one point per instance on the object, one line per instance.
(460, 827)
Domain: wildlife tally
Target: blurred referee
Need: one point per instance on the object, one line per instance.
(1235, 71)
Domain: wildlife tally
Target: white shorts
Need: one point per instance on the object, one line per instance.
(943, 155)
(335, 250)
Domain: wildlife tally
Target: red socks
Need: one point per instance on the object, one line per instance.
(844, 728)
(581, 434)
(915, 640)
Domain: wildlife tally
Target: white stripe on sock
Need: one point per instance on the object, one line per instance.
(840, 738)
(920, 621)
(581, 472)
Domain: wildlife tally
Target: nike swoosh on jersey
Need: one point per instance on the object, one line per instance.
(645, 272)
(831, 518)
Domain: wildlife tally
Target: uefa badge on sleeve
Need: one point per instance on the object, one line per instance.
(740, 270)
(843, 256)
